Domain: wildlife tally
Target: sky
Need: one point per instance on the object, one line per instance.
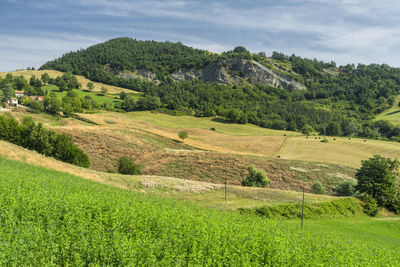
(345, 31)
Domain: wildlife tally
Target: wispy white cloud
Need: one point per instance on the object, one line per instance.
(33, 51)
(347, 31)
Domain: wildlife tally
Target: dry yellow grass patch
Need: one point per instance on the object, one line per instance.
(53, 74)
(198, 138)
(341, 151)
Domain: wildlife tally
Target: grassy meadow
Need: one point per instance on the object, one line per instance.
(109, 99)
(392, 114)
(340, 151)
(53, 218)
(202, 193)
(53, 74)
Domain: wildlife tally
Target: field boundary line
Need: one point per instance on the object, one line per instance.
(282, 147)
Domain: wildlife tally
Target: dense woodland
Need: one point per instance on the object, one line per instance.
(339, 100)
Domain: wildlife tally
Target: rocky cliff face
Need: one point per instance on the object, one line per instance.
(230, 72)
(234, 70)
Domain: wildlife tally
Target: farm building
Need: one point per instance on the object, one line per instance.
(19, 93)
(13, 102)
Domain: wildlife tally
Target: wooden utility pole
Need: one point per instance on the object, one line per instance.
(225, 181)
(302, 211)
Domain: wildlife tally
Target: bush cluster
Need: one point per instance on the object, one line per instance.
(128, 166)
(318, 188)
(256, 177)
(35, 137)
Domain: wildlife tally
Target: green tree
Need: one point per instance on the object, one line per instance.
(45, 78)
(104, 90)
(90, 86)
(128, 104)
(318, 188)
(345, 189)
(183, 135)
(256, 177)
(52, 104)
(307, 129)
(376, 178)
(122, 95)
(128, 166)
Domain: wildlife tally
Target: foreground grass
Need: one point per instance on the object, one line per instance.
(340, 151)
(383, 231)
(51, 218)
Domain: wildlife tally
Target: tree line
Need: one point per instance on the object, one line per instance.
(35, 136)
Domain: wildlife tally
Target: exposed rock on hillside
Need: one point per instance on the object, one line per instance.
(230, 72)
(139, 74)
(233, 70)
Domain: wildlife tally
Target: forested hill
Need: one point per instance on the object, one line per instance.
(281, 92)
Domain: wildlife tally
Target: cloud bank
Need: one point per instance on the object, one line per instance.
(346, 31)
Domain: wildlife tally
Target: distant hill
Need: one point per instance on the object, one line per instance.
(279, 92)
(156, 61)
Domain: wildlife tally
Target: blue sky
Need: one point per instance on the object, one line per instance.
(346, 31)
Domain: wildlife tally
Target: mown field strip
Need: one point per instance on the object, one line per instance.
(340, 151)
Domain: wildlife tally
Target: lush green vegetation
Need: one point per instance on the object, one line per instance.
(128, 166)
(376, 182)
(35, 137)
(51, 218)
(346, 207)
(342, 104)
(256, 178)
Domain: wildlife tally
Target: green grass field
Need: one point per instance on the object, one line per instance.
(96, 96)
(392, 114)
(384, 231)
(52, 218)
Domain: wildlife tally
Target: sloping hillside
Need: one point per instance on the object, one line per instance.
(279, 92)
(54, 73)
(203, 193)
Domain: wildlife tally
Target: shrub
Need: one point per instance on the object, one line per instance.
(394, 204)
(128, 166)
(345, 189)
(256, 177)
(325, 140)
(370, 205)
(183, 135)
(318, 188)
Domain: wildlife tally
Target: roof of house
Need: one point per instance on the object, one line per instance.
(19, 92)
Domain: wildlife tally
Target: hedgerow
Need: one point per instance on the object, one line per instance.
(47, 142)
